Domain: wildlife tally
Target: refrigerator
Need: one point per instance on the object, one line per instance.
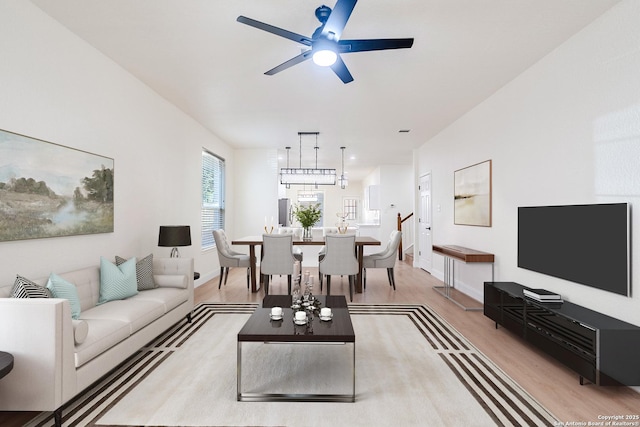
(284, 212)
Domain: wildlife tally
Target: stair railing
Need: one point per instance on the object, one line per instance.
(407, 235)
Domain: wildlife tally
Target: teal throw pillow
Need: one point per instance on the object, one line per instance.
(117, 281)
(60, 288)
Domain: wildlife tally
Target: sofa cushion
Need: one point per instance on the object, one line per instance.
(135, 313)
(102, 335)
(60, 288)
(144, 272)
(170, 298)
(117, 281)
(25, 288)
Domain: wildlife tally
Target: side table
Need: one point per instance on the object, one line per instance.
(6, 363)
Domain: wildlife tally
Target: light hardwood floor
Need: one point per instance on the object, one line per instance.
(553, 385)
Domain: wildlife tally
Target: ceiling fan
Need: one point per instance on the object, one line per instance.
(325, 44)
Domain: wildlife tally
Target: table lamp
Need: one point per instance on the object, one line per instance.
(173, 236)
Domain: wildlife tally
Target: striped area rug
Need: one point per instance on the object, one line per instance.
(499, 398)
(503, 399)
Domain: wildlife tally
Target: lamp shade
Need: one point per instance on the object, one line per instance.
(174, 235)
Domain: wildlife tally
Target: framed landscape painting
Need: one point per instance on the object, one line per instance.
(49, 190)
(472, 195)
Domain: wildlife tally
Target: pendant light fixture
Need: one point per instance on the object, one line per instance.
(287, 186)
(343, 181)
(307, 176)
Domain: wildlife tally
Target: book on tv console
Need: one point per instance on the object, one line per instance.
(547, 302)
(541, 295)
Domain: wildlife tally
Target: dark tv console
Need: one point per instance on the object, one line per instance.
(600, 348)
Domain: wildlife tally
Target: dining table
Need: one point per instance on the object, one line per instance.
(253, 241)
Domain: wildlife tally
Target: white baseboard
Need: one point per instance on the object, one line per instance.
(205, 277)
(465, 288)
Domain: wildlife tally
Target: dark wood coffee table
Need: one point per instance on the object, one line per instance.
(259, 329)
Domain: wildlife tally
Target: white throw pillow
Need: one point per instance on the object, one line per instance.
(80, 330)
(171, 280)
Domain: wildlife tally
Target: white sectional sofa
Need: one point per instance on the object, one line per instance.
(56, 357)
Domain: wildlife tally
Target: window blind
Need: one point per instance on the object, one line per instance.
(212, 214)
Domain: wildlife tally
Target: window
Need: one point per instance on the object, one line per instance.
(350, 208)
(307, 198)
(212, 197)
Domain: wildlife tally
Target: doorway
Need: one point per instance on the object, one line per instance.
(424, 223)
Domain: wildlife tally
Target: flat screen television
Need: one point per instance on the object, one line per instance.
(587, 244)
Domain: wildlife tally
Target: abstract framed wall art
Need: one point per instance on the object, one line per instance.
(49, 190)
(472, 195)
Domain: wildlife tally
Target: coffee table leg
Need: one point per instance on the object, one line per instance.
(239, 371)
(253, 268)
(360, 266)
(353, 394)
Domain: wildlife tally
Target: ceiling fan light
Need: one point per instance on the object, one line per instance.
(325, 57)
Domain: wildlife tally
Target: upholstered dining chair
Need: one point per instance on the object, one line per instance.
(297, 234)
(277, 258)
(229, 258)
(332, 231)
(385, 259)
(339, 258)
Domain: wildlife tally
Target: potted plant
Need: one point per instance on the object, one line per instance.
(307, 216)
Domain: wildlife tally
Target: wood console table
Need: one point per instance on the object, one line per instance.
(466, 255)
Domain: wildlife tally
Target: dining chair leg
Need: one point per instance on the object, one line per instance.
(289, 284)
(221, 276)
(226, 276)
(392, 279)
(328, 284)
(351, 282)
(364, 279)
(248, 278)
(265, 283)
(320, 279)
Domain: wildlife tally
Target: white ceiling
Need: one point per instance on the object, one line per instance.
(197, 56)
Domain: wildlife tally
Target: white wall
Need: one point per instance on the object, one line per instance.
(396, 190)
(55, 87)
(371, 216)
(396, 196)
(256, 192)
(566, 131)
